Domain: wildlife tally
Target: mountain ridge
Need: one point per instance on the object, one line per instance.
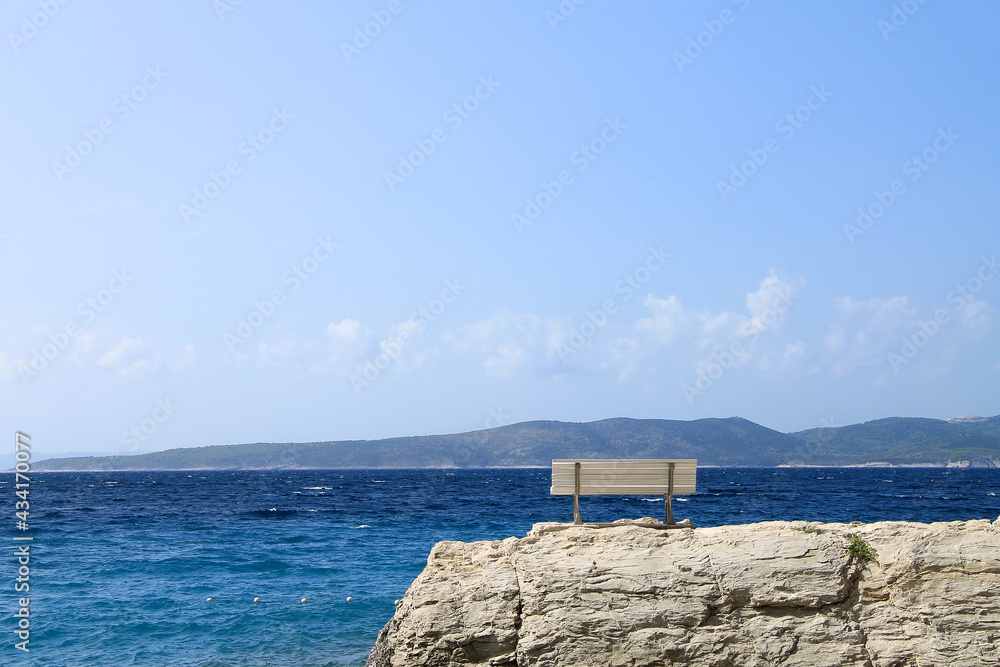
(730, 441)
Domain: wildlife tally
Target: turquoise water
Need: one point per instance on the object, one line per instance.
(122, 563)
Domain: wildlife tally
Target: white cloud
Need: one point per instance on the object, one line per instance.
(349, 330)
(625, 356)
(347, 342)
(790, 360)
(346, 347)
(126, 347)
(509, 343)
(284, 353)
(185, 359)
(894, 334)
(667, 319)
(123, 355)
(969, 322)
(669, 341)
(706, 337)
(505, 360)
(976, 318)
(130, 357)
(85, 344)
(343, 346)
(863, 333)
(769, 306)
(405, 348)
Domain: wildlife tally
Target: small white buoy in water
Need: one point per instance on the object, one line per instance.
(349, 598)
(256, 599)
(303, 600)
(208, 599)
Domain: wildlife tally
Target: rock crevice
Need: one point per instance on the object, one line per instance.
(775, 593)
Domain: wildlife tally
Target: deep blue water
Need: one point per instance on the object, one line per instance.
(122, 563)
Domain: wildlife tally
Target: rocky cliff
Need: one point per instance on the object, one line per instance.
(776, 593)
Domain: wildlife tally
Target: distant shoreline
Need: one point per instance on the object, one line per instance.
(877, 464)
(725, 442)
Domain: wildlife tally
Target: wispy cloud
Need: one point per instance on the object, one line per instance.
(669, 339)
(863, 332)
(130, 357)
(507, 343)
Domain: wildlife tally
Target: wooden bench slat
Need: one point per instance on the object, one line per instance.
(630, 481)
(634, 483)
(604, 474)
(650, 483)
(634, 480)
(568, 470)
(622, 491)
(624, 482)
(624, 474)
(620, 463)
(658, 474)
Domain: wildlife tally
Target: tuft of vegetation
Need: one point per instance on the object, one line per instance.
(810, 530)
(859, 549)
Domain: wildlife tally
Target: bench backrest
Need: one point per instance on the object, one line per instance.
(610, 477)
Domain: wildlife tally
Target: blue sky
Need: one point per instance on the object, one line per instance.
(228, 223)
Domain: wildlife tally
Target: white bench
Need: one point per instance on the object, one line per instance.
(614, 477)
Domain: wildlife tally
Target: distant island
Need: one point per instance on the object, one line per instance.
(734, 441)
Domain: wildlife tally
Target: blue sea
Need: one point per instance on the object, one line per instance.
(122, 563)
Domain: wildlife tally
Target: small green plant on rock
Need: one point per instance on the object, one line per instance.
(861, 550)
(810, 530)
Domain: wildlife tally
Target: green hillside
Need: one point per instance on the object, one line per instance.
(733, 441)
(906, 440)
(725, 442)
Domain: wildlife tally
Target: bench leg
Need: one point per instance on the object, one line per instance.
(576, 497)
(668, 507)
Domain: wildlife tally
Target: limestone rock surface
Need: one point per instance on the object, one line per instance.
(774, 593)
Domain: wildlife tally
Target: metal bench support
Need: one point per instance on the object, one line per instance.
(576, 496)
(667, 499)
